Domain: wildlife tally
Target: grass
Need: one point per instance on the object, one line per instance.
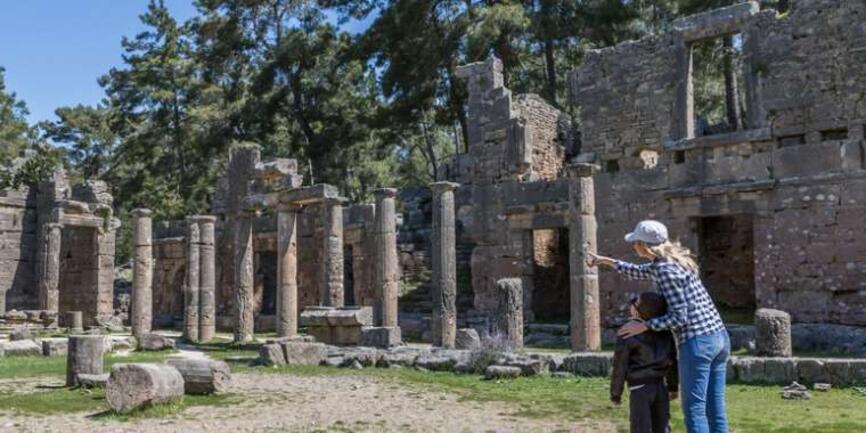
(64, 400)
(757, 409)
(14, 367)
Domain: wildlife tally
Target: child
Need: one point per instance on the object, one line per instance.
(648, 363)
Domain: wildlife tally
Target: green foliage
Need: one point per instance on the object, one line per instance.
(15, 133)
(16, 367)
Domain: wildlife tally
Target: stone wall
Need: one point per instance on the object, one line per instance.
(796, 171)
(18, 230)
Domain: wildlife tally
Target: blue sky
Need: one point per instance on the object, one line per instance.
(54, 50)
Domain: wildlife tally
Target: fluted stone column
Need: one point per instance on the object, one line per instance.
(287, 271)
(386, 267)
(585, 313)
(207, 278)
(243, 278)
(49, 267)
(142, 272)
(191, 290)
(444, 265)
(332, 263)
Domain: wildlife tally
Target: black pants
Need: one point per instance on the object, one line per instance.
(649, 408)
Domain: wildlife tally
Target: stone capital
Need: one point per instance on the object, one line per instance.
(385, 192)
(141, 212)
(581, 169)
(201, 219)
(441, 187)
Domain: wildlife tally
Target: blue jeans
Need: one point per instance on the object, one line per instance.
(702, 366)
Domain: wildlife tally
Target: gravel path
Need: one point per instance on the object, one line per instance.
(285, 403)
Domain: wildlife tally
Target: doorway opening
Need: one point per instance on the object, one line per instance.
(79, 272)
(727, 263)
(550, 278)
(266, 281)
(348, 276)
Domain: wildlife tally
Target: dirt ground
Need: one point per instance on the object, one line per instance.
(285, 403)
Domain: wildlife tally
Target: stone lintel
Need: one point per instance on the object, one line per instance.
(309, 194)
(715, 23)
(385, 192)
(82, 221)
(727, 139)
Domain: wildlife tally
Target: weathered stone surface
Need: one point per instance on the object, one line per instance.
(588, 364)
(392, 358)
(529, 365)
(21, 348)
(192, 290)
(332, 252)
(287, 271)
(134, 385)
(272, 354)
(386, 275)
(345, 316)
(365, 356)
(772, 333)
(467, 339)
(154, 342)
(300, 353)
(93, 380)
(795, 391)
(510, 312)
(444, 265)
(207, 278)
(501, 372)
(21, 334)
(74, 321)
(436, 361)
(383, 337)
(54, 347)
(84, 356)
(141, 316)
(203, 376)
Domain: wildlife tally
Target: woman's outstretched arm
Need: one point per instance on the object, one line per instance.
(630, 270)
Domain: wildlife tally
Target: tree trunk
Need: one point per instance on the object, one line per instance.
(550, 60)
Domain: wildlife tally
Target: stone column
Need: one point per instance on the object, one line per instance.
(332, 263)
(585, 315)
(207, 278)
(772, 333)
(386, 267)
(191, 290)
(287, 271)
(243, 278)
(74, 321)
(49, 267)
(444, 265)
(142, 272)
(510, 311)
(83, 356)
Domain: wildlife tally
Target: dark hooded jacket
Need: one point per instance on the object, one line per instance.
(645, 358)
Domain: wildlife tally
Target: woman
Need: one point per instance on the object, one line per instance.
(704, 345)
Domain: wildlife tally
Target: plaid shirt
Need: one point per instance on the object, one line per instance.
(691, 312)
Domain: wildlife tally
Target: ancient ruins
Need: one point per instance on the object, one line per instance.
(774, 206)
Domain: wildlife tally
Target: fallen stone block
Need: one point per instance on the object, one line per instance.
(501, 372)
(122, 343)
(588, 364)
(20, 334)
(437, 361)
(135, 385)
(528, 366)
(272, 354)
(795, 391)
(401, 358)
(823, 387)
(380, 336)
(467, 339)
(21, 348)
(93, 380)
(300, 353)
(366, 356)
(54, 347)
(202, 376)
(155, 342)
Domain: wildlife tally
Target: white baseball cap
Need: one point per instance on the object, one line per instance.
(649, 231)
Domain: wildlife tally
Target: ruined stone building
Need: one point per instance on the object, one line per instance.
(774, 205)
(57, 248)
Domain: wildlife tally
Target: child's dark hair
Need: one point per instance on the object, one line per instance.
(651, 305)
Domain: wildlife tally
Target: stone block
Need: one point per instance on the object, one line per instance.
(588, 364)
(21, 348)
(21, 333)
(272, 354)
(436, 361)
(92, 380)
(812, 371)
(380, 336)
(346, 335)
(772, 333)
(501, 372)
(154, 342)
(299, 353)
(363, 356)
(135, 385)
(467, 339)
(54, 347)
(403, 358)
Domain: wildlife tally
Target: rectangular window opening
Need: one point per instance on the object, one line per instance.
(679, 156)
(718, 93)
(611, 166)
(834, 134)
(792, 140)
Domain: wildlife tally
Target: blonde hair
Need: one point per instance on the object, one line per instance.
(677, 253)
